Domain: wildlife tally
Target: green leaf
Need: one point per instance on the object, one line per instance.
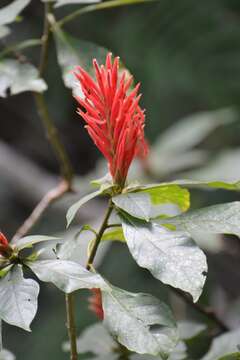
(4, 31)
(189, 329)
(140, 322)
(218, 219)
(223, 345)
(234, 356)
(170, 194)
(18, 299)
(72, 52)
(193, 184)
(179, 353)
(172, 151)
(18, 77)
(72, 211)
(225, 166)
(71, 2)
(103, 343)
(170, 256)
(68, 276)
(29, 241)
(9, 13)
(143, 203)
(114, 235)
(135, 204)
(6, 355)
(5, 270)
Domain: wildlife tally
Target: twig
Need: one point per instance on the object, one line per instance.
(71, 325)
(53, 137)
(99, 235)
(20, 46)
(48, 199)
(100, 6)
(208, 313)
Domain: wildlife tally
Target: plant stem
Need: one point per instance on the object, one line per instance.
(99, 235)
(71, 325)
(208, 313)
(100, 6)
(53, 137)
(51, 130)
(20, 46)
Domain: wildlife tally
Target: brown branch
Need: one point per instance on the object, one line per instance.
(207, 312)
(51, 196)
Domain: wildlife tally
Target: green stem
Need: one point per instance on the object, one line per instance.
(100, 6)
(71, 326)
(20, 46)
(53, 137)
(99, 235)
(51, 130)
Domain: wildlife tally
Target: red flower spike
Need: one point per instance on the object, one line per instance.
(114, 119)
(3, 240)
(95, 303)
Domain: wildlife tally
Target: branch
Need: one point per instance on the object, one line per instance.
(100, 6)
(71, 325)
(208, 313)
(47, 200)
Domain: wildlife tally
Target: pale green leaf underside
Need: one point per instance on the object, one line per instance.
(223, 345)
(171, 256)
(72, 211)
(6, 355)
(67, 275)
(140, 322)
(218, 219)
(9, 13)
(29, 241)
(18, 299)
(18, 77)
(233, 356)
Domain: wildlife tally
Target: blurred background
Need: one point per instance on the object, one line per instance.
(186, 54)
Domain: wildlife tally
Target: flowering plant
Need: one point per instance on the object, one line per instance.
(152, 221)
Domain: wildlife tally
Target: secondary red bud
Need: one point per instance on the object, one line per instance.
(95, 303)
(3, 240)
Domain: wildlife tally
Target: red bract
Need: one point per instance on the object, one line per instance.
(95, 303)
(114, 118)
(3, 240)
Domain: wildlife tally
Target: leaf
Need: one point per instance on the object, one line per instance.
(29, 241)
(9, 13)
(114, 235)
(18, 299)
(225, 167)
(67, 2)
(72, 52)
(223, 345)
(103, 343)
(18, 78)
(6, 355)
(170, 256)
(169, 194)
(135, 204)
(179, 353)
(143, 203)
(172, 150)
(72, 211)
(192, 184)
(68, 276)
(189, 330)
(4, 31)
(234, 356)
(218, 219)
(192, 130)
(140, 322)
